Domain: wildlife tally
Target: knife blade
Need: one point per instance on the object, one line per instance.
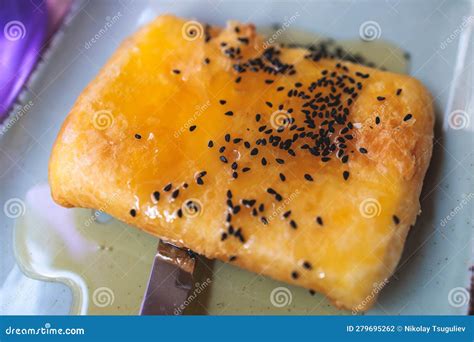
(170, 281)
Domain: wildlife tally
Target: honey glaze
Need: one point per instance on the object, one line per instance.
(106, 262)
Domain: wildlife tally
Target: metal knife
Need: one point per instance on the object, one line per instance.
(171, 279)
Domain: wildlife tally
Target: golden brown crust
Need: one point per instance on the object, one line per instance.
(107, 168)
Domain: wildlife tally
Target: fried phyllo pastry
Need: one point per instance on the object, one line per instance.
(279, 160)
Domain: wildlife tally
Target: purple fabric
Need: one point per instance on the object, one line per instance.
(23, 25)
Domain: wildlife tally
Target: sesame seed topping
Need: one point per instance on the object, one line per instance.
(377, 120)
(175, 193)
(156, 195)
(380, 98)
(246, 169)
(407, 117)
(399, 91)
(294, 275)
(222, 102)
(363, 150)
(308, 177)
(307, 265)
(167, 187)
(396, 220)
(345, 174)
(210, 144)
(176, 71)
(138, 136)
(223, 159)
(319, 220)
(293, 224)
(229, 113)
(133, 212)
(282, 177)
(192, 128)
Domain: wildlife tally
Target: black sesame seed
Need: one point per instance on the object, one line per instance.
(282, 177)
(232, 258)
(207, 60)
(229, 113)
(238, 79)
(223, 236)
(133, 212)
(222, 102)
(176, 71)
(235, 175)
(221, 149)
(280, 88)
(407, 117)
(138, 136)
(399, 91)
(319, 220)
(308, 177)
(175, 193)
(227, 137)
(264, 220)
(293, 224)
(199, 181)
(246, 169)
(377, 120)
(287, 214)
(210, 144)
(229, 194)
(280, 161)
(257, 117)
(269, 104)
(345, 174)
(264, 161)
(223, 159)
(307, 265)
(254, 151)
(192, 128)
(168, 187)
(294, 275)
(380, 98)
(396, 220)
(180, 213)
(156, 195)
(363, 150)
